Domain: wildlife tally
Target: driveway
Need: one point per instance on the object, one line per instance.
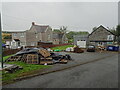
(100, 74)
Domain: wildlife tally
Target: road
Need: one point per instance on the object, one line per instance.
(99, 74)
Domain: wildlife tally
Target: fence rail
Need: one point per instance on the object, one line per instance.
(7, 52)
(49, 45)
(10, 51)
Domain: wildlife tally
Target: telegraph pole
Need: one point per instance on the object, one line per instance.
(1, 54)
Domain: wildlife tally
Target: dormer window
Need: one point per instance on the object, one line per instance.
(22, 34)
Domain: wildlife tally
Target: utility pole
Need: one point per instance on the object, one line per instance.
(1, 54)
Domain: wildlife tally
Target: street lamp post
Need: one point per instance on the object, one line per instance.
(1, 56)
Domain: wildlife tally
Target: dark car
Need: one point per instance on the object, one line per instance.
(91, 48)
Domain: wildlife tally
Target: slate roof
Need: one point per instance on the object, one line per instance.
(14, 31)
(39, 28)
(81, 37)
(57, 35)
(102, 27)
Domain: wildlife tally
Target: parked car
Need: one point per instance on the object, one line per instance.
(91, 48)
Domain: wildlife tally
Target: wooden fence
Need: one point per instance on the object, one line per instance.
(58, 45)
(49, 45)
(10, 51)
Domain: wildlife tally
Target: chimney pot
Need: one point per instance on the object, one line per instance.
(33, 23)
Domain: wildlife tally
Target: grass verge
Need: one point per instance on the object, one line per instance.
(28, 69)
(62, 47)
(6, 57)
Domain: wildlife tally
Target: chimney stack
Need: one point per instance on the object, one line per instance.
(33, 23)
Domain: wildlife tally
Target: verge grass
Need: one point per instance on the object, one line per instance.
(62, 47)
(28, 69)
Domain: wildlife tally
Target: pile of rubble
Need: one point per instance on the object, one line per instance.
(13, 68)
(39, 56)
(78, 50)
(75, 49)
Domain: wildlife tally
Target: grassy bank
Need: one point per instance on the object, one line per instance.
(6, 57)
(28, 69)
(62, 47)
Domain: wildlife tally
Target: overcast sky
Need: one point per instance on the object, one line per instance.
(77, 16)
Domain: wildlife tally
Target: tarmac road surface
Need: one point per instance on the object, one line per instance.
(99, 74)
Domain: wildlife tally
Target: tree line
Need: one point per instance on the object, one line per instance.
(69, 34)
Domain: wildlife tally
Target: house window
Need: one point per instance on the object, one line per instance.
(82, 40)
(18, 43)
(15, 34)
(22, 43)
(49, 36)
(22, 34)
(32, 44)
(13, 43)
(101, 43)
(36, 36)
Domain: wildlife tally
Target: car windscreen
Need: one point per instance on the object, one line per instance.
(91, 47)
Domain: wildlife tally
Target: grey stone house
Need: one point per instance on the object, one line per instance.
(37, 33)
(59, 38)
(32, 36)
(101, 36)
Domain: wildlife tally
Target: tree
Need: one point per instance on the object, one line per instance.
(94, 28)
(118, 34)
(63, 29)
(113, 30)
(3, 41)
(72, 33)
(8, 37)
(57, 31)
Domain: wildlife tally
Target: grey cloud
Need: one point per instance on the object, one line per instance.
(75, 15)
